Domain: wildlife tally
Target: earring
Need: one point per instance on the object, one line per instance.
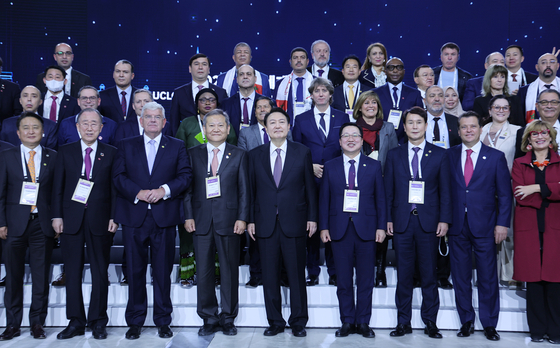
(550, 146)
(529, 147)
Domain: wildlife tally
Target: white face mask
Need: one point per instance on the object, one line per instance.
(54, 85)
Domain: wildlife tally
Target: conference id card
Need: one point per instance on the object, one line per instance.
(351, 201)
(82, 191)
(350, 113)
(29, 193)
(374, 155)
(395, 117)
(243, 125)
(213, 187)
(300, 104)
(440, 144)
(416, 192)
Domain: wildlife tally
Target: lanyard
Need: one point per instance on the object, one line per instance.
(200, 125)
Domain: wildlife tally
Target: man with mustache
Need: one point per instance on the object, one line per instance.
(321, 54)
(292, 93)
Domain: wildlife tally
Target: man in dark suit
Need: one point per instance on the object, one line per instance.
(85, 216)
(424, 78)
(217, 215)
(346, 94)
(239, 106)
(9, 95)
(321, 54)
(30, 100)
(283, 214)
(474, 85)
(150, 173)
(517, 77)
(64, 57)
(395, 96)
(183, 103)
(481, 200)
(3, 146)
(416, 224)
(57, 105)
(88, 97)
(353, 225)
(116, 101)
(449, 74)
(25, 222)
(318, 129)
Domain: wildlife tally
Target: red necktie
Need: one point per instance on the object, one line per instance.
(52, 115)
(513, 76)
(469, 168)
(123, 104)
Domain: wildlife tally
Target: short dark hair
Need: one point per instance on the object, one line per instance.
(451, 45)
(276, 109)
(56, 67)
(417, 70)
(497, 97)
(550, 90)
(26, 114)
(415, 110)
(270, 102)
(207, 90)
(199, 55)
(467, 115)
(350, 124)
(352, 56)
(124, 61)
(515, 46)
(299, 49)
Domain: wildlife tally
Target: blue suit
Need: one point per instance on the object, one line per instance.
(68, 133)
(487, 199)
(232, 106)
(9, 133)
(265, 84)
(473, 90)
(129, 128)
(353, 240)
(415, 234)
(156, 226)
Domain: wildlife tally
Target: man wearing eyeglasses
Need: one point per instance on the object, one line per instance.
(396, 97)
(64, 56)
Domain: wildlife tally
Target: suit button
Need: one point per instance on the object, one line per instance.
(467, 191)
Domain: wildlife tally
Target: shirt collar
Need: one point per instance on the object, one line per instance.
(347, 159)
(283, 147)
(147, 139)
(93, 146)
(475, 148)
(316, 111)
(421, 146)
(221, 147)
(251, 96)
(25, 149)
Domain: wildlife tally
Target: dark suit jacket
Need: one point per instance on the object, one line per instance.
(250, 137)
(79, 80)
(295, 199)
(13, 214)
(335, 75)
(307, 133)
(131, 174)
(473, 90)
(50, 131)
(9, 99)
(452, 129)
(488, 197)
(183, 106)
(68, 133)
(372, 214)
(515, 115)
(4, 145)
(129, 128)
(111, 104)
(339, 99)
(522, 94)
(232, 106)
(463, 77)
(68, 107)
(233, 203)
(437, 190)
(101, 201)
(367, 79)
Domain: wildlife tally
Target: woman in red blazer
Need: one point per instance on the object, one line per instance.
(536, 258)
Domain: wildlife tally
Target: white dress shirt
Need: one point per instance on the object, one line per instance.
(346, 160)
(195, 89)
(68, 86)
(411, 153)
(520, 77)
(327, 119)
(273, 154)
(315, 70)
(250, 102)
(48, 102)
(140, 128)
(474, 155)
(399, 91)
(356, 90)
(91, 156)
(443, 130)
(210, 149)
(36, 158)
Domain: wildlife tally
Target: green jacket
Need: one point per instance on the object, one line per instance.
(189, 132)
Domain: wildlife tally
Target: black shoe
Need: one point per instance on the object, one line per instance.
(345, 330)
(60, 280)
(273, 330)
(312, 280)
(554, 341)
(133, 332)
(491, 334)
(69, 332)
(253, 282)
(537, 338)
(299, 331)
(381, 279)
(466, 330)
(208, 329)
(10, 333)
(38, 332)
(332, 280)
(164, 331)
(364, 330)
(432, 330)
(444, 284)
(124, 281)
(401, 330)
(99, 332)
(3, 282)
(229, 329)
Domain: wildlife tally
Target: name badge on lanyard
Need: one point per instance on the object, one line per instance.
(243, 125)
(213, 187)
(395, 117)
(351, 201)
(29, 193)
(440, 144)
(416, 192)
(374, 155)
(350, 113)
(299, 104)
(82, 191)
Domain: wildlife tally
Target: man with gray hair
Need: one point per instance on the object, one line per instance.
(474, 85)
(321, 54)
(228, 80)
(217, 211)
(151, 172)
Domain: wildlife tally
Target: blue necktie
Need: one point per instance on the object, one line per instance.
(351, 175)
(395, 97)
(323, 126)
(299, 91)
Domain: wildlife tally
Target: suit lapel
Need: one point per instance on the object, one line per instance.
(99, 159)
(265, 160)
(362, 170)
(288, 162)
(45, 160)
(143, 155)
(340, 170)
(480, 163)
(226, 157)
(456, 153)
(313, 125)
(426, 157)
(404, 160)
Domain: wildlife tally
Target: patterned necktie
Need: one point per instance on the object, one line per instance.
(469, 168)
(31, 167)
(265, 136)
(323, 129)
(245, 119)
(151, 154)
(123, 103)
(214, 164)
(436, 129)
(52, 115)
(87, 162)
(513, 76)
(321, 72)
(414, 169)
(299, 90)
(277, 167)
(395, 96)
(350, 96)
(351, 174)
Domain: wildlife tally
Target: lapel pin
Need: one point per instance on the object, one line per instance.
(227, 157)
(100, 137)
(483, 157)
(102, 154)
(430, 151)
(364, 164)
(162, 146)
(45, 164)
(426, 155)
